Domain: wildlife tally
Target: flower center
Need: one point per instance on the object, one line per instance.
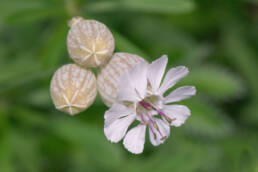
(145, 109)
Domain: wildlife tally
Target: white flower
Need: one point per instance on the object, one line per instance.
(140, 98)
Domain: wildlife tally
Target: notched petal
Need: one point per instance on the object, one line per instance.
(135, 138)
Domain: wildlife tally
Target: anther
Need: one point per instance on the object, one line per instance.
(169, 120)
(163, 138)
(155, 125)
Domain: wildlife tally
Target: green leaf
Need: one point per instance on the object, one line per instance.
(125, 45)
(34, 15)
(196, 55)
(239, 150)
(10, 7)
(5, 156)
(249, 113)
(22, 70)
(179, 155)
(91, 140)
(14, 70)
(23, 11)
(214, 81)
(55, 45)
(159, 37)
(246, 162)
(21, 144)
(149, 6)
(25, 77)
(207, 120)
(241, 55)
(160, 6)
(30, 117)
(39, 97)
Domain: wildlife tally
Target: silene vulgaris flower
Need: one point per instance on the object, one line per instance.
(140, 98)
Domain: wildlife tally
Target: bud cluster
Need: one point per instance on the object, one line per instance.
(74, 86)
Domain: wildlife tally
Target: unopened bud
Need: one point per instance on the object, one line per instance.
(73, 89)
(89, 42)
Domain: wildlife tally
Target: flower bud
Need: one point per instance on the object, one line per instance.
(73, 89)
(89, 42)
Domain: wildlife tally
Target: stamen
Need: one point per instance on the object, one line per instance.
(142, 119)
(155, 126)
(145, 105)
(149, 118)
(169, 120)
(155, 136)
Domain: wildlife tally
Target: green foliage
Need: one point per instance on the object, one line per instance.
(150, 6)
(124, 45)
(90, 144)
(215, 81)
(216, 40)
(207, 120)
(25, 11)
(54, 45)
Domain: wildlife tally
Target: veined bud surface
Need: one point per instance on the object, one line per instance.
(89, 42)
(73, 89)
(109, 75)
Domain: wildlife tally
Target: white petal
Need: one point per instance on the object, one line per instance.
(132, 85)
(180, 93)
(116, 130)
(134, 139)
(178, 112)
(138, 77)
(117, 111)
(164, 129)
(156, 71)
(125, 89)
(172, 77)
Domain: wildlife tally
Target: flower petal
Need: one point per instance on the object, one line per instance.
(172, 77)
(125, 89)
(164, 130)
(117, 111)
(134, 139)
(180, 93)
(177, 112)
(117, 129)
(132, 85)
(156, 71)
(138, 77)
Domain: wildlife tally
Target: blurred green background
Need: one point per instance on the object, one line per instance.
(217, 40)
